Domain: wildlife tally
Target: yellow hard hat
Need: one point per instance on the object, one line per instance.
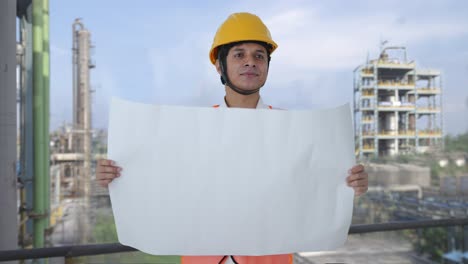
(241, 27)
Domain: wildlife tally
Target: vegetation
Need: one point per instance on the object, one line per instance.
(104, 232)
(458, 143)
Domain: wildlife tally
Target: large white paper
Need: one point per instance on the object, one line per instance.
(225, 181)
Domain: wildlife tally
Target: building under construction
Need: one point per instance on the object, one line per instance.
(397, 106)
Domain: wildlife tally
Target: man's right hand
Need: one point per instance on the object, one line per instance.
(106, 172)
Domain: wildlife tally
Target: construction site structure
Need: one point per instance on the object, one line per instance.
(71, 155)
(33, 105)
(397, 106)
(82, 101)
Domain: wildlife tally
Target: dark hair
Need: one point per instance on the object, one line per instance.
(224, 49)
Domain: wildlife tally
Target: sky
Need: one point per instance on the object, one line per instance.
(157, 51)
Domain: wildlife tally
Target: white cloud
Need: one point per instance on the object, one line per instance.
(307, 40)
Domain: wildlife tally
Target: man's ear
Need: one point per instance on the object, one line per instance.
(218, 67)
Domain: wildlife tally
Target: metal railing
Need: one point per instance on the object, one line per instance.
(98, 249)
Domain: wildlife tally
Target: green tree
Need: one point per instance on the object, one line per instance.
(458, 143)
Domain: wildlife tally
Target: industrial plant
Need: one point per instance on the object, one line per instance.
(397, 106)
(52, 206)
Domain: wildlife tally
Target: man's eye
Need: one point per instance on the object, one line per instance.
(238, 55)
(260, 56)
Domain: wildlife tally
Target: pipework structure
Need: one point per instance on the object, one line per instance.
(397, 106)
(82, 99)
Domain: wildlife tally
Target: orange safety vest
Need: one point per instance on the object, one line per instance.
(267, 259)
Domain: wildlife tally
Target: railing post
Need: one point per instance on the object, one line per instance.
(419, 246)
(465, 244)
(450, 241)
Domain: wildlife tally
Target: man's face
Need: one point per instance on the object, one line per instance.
(247, 66)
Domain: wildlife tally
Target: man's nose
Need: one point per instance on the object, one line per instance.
(249, 61)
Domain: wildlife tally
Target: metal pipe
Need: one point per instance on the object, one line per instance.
(46, 98)
(397, 47)
(25, 174)
(74, 62)
(8, 215)
(87, 127)
(40, 211)
(394, 226)
(77, 25)
(64, 251)
(26, 125)
(82, 111)
(22, 170)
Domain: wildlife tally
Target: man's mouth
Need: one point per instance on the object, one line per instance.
(249, 74)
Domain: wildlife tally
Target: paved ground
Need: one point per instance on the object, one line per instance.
(67, 231)
(370, 248)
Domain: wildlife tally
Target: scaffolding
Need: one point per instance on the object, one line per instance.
(397, 106)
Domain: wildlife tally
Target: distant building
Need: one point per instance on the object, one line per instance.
(397, 106)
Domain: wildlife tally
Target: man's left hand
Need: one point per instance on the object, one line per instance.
(357, 179)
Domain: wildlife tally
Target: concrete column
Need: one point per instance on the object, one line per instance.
(8, 190)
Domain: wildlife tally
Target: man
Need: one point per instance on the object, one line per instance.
(241, 53)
